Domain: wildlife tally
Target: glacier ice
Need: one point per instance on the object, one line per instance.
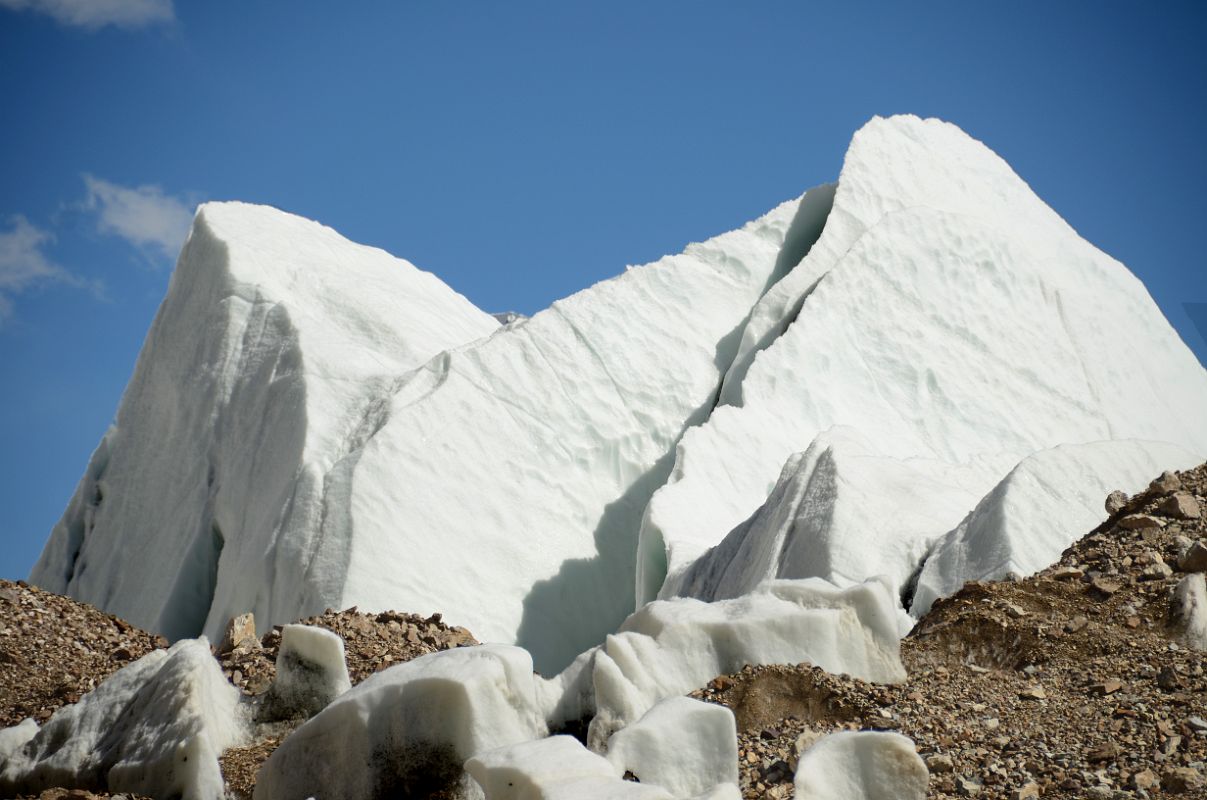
(686, 746)
(409, 728)
(947, 314)
(671, 647)
(266, 365)
(839, 511)
(309, 419)
(864, 765)
(155, 727)
(1041, 507)
(1188, 610)
(763, 445)
(310, 672)
(556, 768)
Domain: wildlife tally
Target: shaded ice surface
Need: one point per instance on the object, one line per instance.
(264, 369)
(954, 321)
(155, 727)
(865, 765)
(839, 511)
(1041, 507)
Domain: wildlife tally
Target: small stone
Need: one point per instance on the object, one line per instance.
(1015, 611)
(1105, 687)
(1115, 501)
(121, 654)
(1168, 482)
(1180, 505)
(1156, 571)
(1029, 791)
(1194, 558)
(1033, 693)
(239, 629)
(1197, 724)
(939, 763)
(1140, 522)
(1067, 573)
(1104, 587)
(1132, 622)
(1181, 779)
(721, 683)
(1145, 780)
(967, 787)
(1168, 679)
(1076, 624)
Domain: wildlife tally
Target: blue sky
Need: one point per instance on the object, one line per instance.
(523, 151)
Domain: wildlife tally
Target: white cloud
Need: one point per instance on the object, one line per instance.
(143, 215)
(24, 263)
(95, 14)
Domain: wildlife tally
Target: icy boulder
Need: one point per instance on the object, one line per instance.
(557, 768)
(861, 766)
(839, 511)
(1188, 610)
(684, 745)
(155, 727)
(947, 314)
(671, 647)
(407, 730)
(1047, 502)
(270, 362)
(311, 672)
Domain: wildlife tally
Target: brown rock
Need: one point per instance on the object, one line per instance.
(1139, 522)
(1033, 693)
(1181, 779)
(1107, 752)
(1168, 482)
(1029, 791)
(939, 763)
(1105, 687)
(1115, 501)
(238, 630)
(1194, 558)
(1145, 780)
(1180, 505)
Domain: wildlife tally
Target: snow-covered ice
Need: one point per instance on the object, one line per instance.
(686, 746)
(1047, 502)
(409, 728)
(155, 727)
(311, 672)
(946, 314)
(671, 647)
(865, 765)
(267, 365)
